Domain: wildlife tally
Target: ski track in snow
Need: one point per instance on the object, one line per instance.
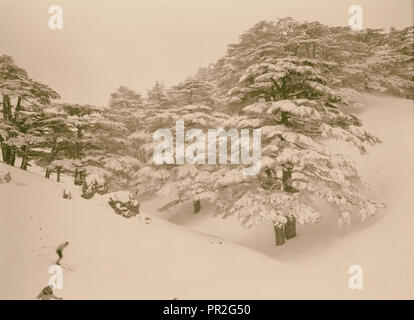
(199, 256)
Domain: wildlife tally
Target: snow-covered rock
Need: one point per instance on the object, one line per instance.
(5, 176)
(94, 183)
(124, 204)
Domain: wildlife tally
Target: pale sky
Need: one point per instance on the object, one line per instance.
(106, 43)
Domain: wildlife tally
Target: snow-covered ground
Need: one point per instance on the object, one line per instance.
(186, 256)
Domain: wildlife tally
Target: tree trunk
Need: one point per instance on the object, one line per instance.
(78, 177)
(25, 158)
(18, 106)
(290, 228)
(197, 206)
(287, 174)
(5, 108)
(280, 235)
(285, 118)
(82, 176)
(9, 111)
(47, 174)
(12, 157)
(3, 150)
(24, 163)
(78, 144)
(6, 154)
(58, 174)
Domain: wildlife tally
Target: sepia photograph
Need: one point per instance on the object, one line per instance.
(206, 150)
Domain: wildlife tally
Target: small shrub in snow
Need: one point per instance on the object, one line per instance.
(67, 195)
(94, 183)
(124, 204)
(5, 177)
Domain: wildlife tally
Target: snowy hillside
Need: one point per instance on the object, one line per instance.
(185, 256)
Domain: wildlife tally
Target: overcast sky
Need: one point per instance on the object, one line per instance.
(105, 43)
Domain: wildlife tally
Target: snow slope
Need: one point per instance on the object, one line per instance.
(198, 256)
(112, 257)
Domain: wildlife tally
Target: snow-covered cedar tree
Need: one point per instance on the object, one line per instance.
(379, 62)
(125, 97)
(399, 75)
(55, 133)
(76, 137)
(122, 170)
(291, 102)
(297, 167)
(207, 74)
(125, 107)
(80, 119)
(370, 59)
(22, 101)
(277, 39)
(112, 151)
(88, 140)
(289, 90)
(192, 91)
(287, 78)
(158, 95)
(176, 181)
